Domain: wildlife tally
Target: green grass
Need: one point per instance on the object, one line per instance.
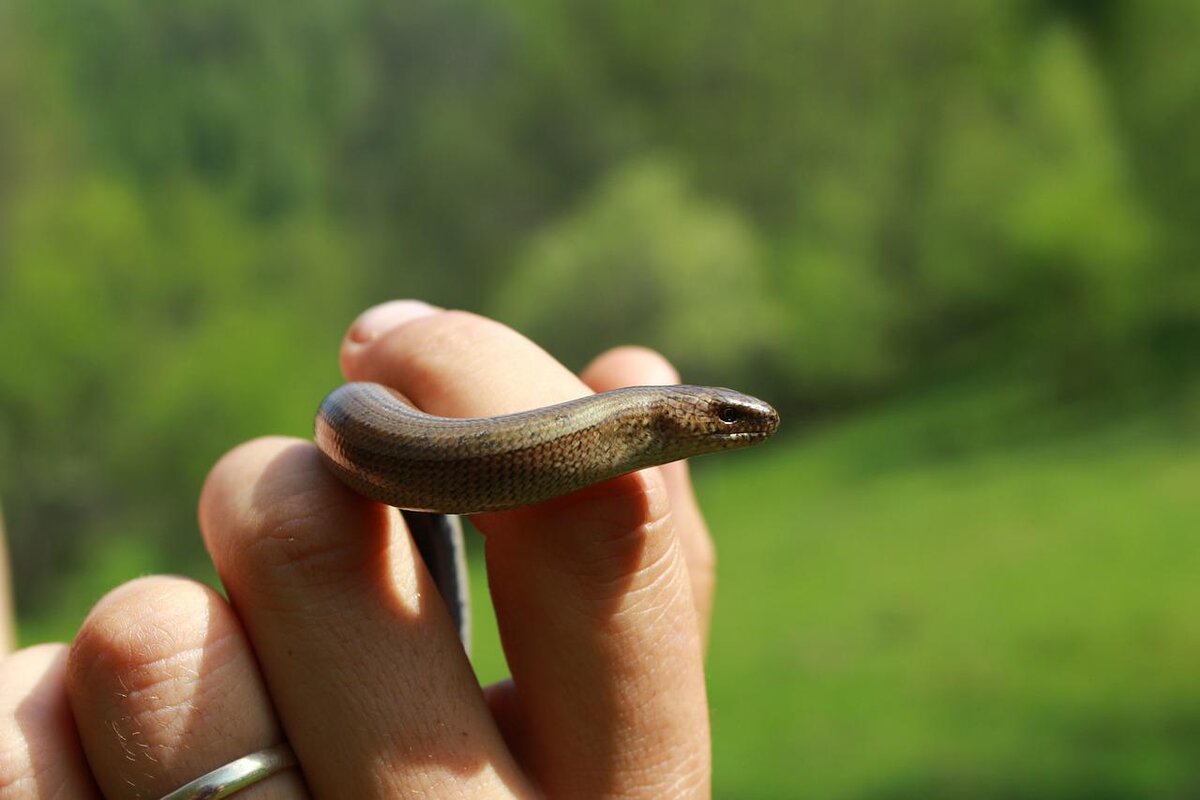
(1019, 622)
(902, 618)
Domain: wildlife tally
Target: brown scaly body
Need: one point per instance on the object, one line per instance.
(384, 448)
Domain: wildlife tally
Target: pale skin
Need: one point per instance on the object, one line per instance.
(333, 638)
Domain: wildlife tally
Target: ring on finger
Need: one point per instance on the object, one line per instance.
(236, 775)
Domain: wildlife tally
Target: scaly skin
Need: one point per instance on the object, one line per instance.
(384, 448)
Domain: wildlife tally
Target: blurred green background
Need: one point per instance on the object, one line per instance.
(955, 242)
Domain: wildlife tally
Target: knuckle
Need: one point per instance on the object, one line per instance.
(143, 660)
(449, 342)
(141, 626)
(448, 333)
(273, 516)
(261, 493)
(631, 539)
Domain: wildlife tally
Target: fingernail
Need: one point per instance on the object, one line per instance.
(382, 318)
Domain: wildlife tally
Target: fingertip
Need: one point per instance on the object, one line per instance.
(374, 323)
(629, 365)
(381, 318)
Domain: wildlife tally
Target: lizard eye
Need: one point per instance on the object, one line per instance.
(728, 414)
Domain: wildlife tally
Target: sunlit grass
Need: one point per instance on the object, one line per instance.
(1019, 622)
(1012, 621)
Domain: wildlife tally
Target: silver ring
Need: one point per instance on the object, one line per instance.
(236, 775)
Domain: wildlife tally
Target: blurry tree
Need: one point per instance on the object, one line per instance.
(644, 260)
(1153, 66)
(125, 325)
(479, 123)
(153, 309)
(1032, 235)
(242, 97)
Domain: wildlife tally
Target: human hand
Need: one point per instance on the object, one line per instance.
(333, 640)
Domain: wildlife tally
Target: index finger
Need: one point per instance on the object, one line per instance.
(590, 590)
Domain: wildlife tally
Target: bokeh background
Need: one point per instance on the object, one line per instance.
(955, 242)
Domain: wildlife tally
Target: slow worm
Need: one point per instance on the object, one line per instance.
(381, 446)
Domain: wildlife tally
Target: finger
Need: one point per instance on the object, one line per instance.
(368, 676)
(8, 637)
(40, 755)
(164, 689)
(637, 366)
(591, 590)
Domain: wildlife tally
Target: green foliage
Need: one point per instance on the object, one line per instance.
(839, 317)
(1033, 219)
(126, 324)
(244, 97)
(643, 260)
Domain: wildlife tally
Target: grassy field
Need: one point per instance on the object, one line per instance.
(900, 616)
(924, 603)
